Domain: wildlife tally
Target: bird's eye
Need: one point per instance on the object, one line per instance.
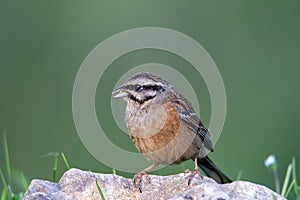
(139, 88)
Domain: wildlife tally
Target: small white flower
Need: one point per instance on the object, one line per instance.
(271, 160)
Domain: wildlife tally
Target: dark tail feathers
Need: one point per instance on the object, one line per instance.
(212, 170)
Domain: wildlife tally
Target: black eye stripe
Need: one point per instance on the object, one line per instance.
(152, 87)
(138, 88)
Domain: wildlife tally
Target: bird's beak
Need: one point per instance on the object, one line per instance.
(119, 92)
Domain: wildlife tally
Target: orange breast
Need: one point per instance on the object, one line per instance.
(172, 143)
(167, 132)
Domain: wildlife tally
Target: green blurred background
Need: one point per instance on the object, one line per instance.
(255, 44)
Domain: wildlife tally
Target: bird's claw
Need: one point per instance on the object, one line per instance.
(137, 179)
(193, 173)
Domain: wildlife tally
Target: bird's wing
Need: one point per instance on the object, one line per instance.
(190, 118)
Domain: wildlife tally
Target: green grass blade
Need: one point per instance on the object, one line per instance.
(2, 178)
(55, 168)
(23, 181)
(286, 180)
(65, 160)
(239, 176)
(296, 189)
(289, 189)
(294, 170)
(6, 156)
(4, 193)
(18, 197)
(12, 196)
(99, 190)
(8, 189)
(114, 171)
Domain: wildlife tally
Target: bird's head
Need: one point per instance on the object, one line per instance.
(142, 88)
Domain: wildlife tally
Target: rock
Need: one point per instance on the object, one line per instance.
(76, 184)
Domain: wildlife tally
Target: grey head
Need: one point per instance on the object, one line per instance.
(143, 88)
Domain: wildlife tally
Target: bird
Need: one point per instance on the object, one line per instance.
(164, 127)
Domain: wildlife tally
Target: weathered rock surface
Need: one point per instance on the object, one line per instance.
(77, 184)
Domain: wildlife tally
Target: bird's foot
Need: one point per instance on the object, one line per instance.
(137, 179)
(192, 174)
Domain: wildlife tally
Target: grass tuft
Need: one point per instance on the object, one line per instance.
(55, 166)
(291, 171)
